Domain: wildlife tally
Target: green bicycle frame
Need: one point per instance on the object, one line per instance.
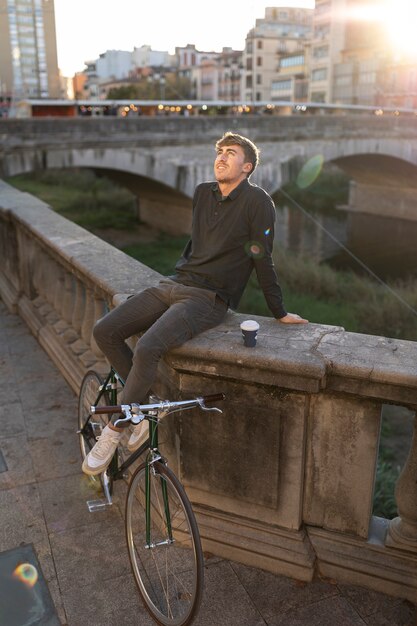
(153, 436)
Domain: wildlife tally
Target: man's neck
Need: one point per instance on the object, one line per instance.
(227, 188)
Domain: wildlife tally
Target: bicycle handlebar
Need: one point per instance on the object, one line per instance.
(162, 405)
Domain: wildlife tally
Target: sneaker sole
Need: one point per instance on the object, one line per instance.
(93, 472)
(135, 446)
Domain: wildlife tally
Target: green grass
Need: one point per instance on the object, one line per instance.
(161, 255)
(82, 197)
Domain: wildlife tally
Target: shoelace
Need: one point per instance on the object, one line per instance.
(104, 444)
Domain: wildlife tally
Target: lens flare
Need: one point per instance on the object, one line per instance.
(268, 230)
(27, 574)
(310, 171)
(255, 250)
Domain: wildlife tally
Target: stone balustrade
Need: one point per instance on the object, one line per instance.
(284, 478)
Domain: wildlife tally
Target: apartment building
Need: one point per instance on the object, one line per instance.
(28, 54)
(399, 83)
(327, 43)
(220, 77)
(274, 54)
(359, 73)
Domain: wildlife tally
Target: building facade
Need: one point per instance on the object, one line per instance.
(283, 33)
(28, 54)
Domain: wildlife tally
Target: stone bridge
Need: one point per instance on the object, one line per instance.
(162, 159)
(284, 479)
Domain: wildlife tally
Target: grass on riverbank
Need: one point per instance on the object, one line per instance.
(82, 196)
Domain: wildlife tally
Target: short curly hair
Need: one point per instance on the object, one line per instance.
(251, 151)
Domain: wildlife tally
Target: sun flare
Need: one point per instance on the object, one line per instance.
(400, 19)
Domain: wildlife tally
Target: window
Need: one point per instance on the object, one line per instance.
(281, 85)
(342, 80)
(259, 61)
(321, 31)
(320, 52)
(366, 78)
(259, 44)
(320, 74)
(259, 79)
(292, 61)
(318, 96)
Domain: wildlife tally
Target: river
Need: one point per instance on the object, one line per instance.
(388, 246)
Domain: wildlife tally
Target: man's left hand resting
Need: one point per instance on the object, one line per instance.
(292, 318)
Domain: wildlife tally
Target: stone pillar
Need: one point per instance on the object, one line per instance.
(402, 531)
(88, 321)
(79, 306)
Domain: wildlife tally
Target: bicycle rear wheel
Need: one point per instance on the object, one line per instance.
(168, 563)
(91, 426)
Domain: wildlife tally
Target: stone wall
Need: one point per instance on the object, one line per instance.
(284, 478)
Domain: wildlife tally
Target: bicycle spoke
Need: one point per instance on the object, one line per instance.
(168, 571)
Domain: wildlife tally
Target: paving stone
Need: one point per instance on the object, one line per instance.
(106, 603)
(403, 614)
(57, 456)
(21, 517)
(334, 611)
(95, 552)
(366, 601)
(16, 453)
(11, 418)
(64, 503)
(225, 601)
(273, 594)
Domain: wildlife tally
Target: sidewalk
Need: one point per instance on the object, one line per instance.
(82, 556)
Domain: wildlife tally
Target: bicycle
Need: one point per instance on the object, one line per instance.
(162, 535)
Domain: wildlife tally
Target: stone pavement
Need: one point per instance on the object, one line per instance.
(82, 556)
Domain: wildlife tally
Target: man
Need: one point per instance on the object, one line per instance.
(232, 233)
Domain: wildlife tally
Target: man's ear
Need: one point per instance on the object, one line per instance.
(247, 167)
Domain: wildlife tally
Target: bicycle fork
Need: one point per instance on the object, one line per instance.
(167, 515)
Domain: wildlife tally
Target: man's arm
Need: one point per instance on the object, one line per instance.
(263, 233)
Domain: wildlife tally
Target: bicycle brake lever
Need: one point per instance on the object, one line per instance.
(214, 408)
(125, 408)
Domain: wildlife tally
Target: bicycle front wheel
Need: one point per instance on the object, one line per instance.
(164, 545)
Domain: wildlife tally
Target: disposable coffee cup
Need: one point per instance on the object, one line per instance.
(249, 330)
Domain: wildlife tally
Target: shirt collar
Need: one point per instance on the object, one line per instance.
(233, 194)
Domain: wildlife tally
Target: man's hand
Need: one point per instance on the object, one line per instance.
(292, 318)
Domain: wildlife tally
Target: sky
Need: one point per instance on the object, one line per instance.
(87, 28)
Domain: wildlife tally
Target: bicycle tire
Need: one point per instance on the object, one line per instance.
(89, 392)
(169, 576)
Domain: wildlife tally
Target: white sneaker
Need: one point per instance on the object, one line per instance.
(139, 436)
(102, 452)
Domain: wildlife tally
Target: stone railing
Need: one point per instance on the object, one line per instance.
(284, 478)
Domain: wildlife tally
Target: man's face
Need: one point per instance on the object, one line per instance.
(230, 165)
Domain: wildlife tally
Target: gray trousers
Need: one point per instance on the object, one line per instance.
(168, 315)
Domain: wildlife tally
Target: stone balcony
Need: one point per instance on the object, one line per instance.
(284, 478)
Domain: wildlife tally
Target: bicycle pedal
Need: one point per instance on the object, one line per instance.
(98, 505)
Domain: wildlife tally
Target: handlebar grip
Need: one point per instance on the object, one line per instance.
(106, 409)
(214, 397)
